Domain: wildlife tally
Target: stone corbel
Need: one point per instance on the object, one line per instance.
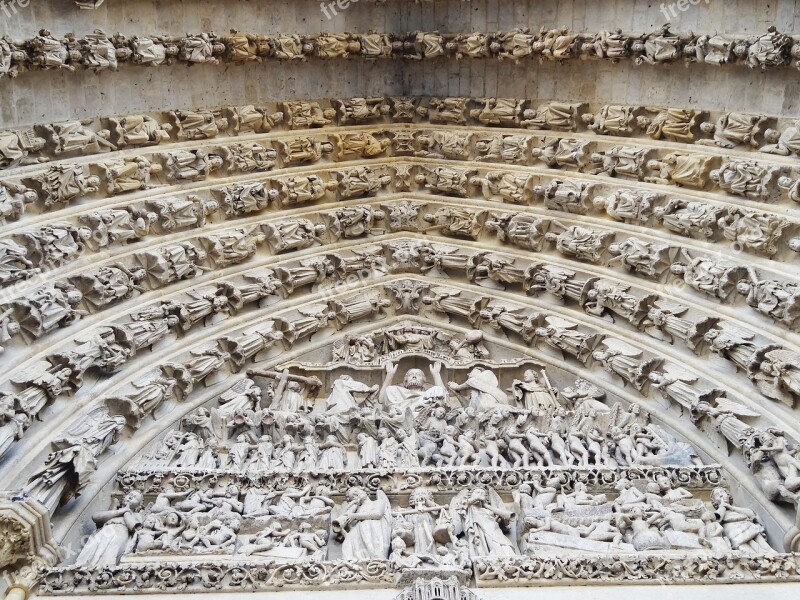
(26, 542)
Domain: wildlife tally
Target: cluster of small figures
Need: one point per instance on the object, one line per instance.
(98, 51)
(440, 530)
(414, 425)
(727, 130)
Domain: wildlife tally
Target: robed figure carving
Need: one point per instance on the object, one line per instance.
(480, 516)
(365, 525)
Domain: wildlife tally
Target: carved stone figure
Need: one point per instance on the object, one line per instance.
(139, 130)
(62, 184)
(582, 243)
(353, 221)
(361, 181)
(504, 187)
(173, 262)
(248, 158)
(612, 119)
(109, 284)
(696, 219)
(443, 144)
(292, 234)
(450, 111)
(48, 308)
(129, 175)
(567, 153)
(241, 199)
(567, 195)
(674, 124)
(191, 165)
(557, 116)
(201, 48)
(628, 205)
(499, 112)
(456, 222)
(757, 232)
(445, 180)
(782, 143)
(732, 130)
(714, 277)
(153, 51)
(13, 200)
(69, 466)
(689, 170)
(523, 230)
(233, 247)
(775, 299)
(647, 258)
(365, 526)
(115, 528)
(110, 226)
(746, 178)
(56, 244)
(304, 150)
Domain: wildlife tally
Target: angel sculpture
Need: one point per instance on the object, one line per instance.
(679, 386)
(480, 516)
(69, 467)
(42, 383)
(207, 363)
(241, 397)
(664, 321)
(209, 305)
(776, 373)
(365, 526)
(255, 342)
(732, 343)
(564, 335)
(622, 359)
(169, 382)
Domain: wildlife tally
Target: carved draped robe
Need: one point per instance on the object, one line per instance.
(369, 538)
